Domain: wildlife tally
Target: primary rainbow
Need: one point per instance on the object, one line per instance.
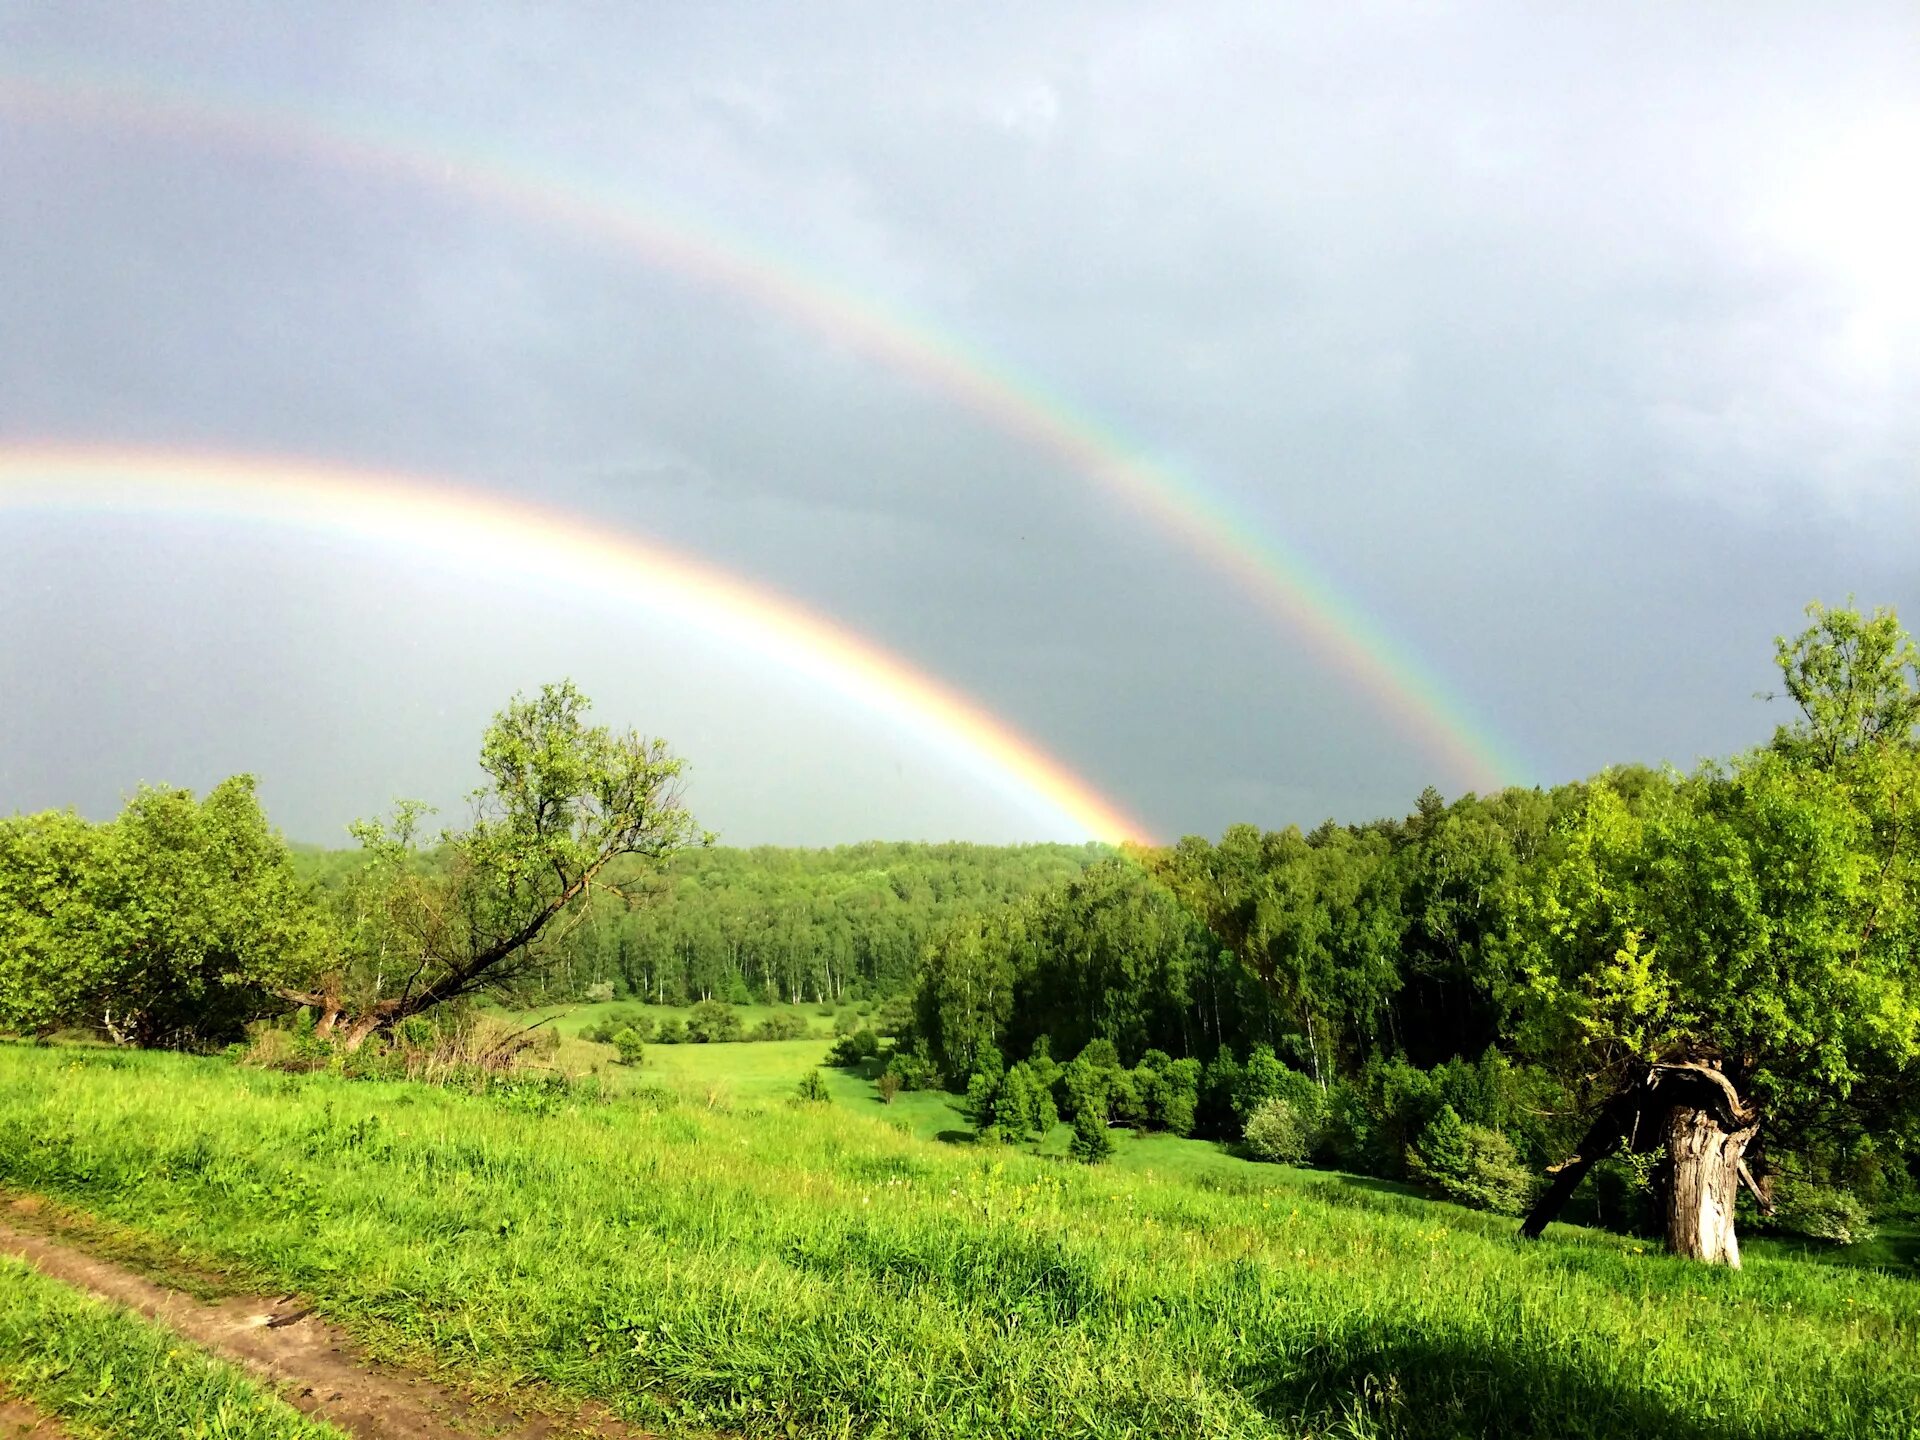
(1268, 572)
(472, 527)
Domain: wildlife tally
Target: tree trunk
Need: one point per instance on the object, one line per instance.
(1705, 1182)
(1694, 1112)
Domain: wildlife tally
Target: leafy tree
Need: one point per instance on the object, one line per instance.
(564, 800)
(1735, 948)
(174, 924)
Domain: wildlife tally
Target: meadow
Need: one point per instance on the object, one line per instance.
(107, 1374)
(720, 1257)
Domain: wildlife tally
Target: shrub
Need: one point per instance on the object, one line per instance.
(781, 1025)
(1470, 1164)
(812, 1089)
(599, 994)
(713, 1022)
(627, 1017)
(1278, 1131)
(1821, 1212)
(850, 1051)
(1092, 1143)
(914, 1070)
(629, 1045)
(673, 1031)
(846, 1022)
(888, 1085)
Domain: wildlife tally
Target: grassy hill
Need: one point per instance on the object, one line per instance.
(700, 1252)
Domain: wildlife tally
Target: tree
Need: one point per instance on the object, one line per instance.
(174, 924)
(1732, 951)
(564, 800)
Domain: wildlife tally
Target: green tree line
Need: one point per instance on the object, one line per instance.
(1711, 978)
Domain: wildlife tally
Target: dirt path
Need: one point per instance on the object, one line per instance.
(315, 1365)
(18, 1420)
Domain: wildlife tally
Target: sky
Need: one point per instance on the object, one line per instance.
(1496, 382)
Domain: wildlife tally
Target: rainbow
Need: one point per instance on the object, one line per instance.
(431, 517)
(1269, 573)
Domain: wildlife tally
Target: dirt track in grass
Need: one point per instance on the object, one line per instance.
(316, 1365)
(19, 1420)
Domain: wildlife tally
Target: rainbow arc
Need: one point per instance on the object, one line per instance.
(433, 517)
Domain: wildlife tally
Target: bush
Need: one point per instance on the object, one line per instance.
(1092, 1142)
(913, 1070)
(629, 1045)
(713, 1022)
(846, 1022)
(673, 1031)
(812, 1089)
(888, 1085)
(627, 1017)
(849, 1051)
(599, 994)
(781, 1025)
(1821, 1212)
(1470, 1164)
(1278, 1131)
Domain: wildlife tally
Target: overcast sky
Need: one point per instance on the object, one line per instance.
(1577, 346)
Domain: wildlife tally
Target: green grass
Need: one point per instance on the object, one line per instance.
(756, 1266)
(105, 1373)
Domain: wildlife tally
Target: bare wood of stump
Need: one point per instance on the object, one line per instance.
(1694, 1111)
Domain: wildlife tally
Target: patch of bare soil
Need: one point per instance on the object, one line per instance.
(18, 1420)
(314, 1364)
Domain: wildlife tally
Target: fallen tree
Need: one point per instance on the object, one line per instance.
(563, 802)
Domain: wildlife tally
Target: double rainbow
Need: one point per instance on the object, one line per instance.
(1263, 569)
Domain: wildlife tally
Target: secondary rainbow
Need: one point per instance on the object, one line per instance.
(1263, 568)
(471, 527)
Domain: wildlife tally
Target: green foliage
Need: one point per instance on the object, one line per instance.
(912, 1070)
(625, 1017)
(713, 1022)
(175, 924)
(630, 1047)
(1279, 1131)
(781, 1025)
(812, 1089)
(673, 1031)
(776, 924)
(1821, 1212)
(1092, 1141)
(851, 1050)
(1470, 1164)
